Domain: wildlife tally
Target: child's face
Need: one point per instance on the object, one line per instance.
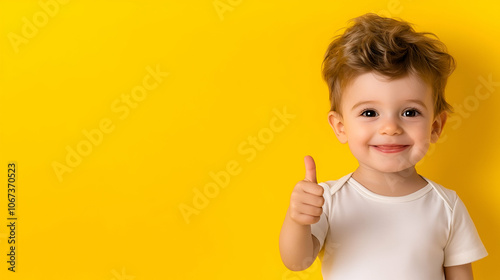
(388, 125)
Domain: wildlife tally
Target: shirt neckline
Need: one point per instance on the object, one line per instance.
(374, 196)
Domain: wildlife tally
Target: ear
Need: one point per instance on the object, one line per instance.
(437, 126)
(337, 123)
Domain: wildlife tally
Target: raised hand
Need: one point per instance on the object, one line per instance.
(307, 200)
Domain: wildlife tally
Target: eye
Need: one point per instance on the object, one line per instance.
(369, 113)
(411, 113)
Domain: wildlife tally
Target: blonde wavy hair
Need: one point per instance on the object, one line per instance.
(388, 47)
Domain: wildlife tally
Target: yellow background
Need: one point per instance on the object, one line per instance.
(116, 215)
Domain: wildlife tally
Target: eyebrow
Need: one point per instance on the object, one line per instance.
(418, 102)
(363, 102)
(374, 101)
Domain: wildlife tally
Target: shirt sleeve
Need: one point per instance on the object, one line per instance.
(320, 229)
(464, 244)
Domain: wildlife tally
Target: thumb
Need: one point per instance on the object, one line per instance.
(310, 169)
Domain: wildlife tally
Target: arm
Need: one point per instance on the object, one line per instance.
(459, 272)
(298, 247)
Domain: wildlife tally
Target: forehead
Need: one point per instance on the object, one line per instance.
(373, 87)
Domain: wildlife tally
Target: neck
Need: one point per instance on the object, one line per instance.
(390, 183)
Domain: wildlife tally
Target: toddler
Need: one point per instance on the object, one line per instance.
(383, 221)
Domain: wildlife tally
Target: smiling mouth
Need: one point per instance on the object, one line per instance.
(391, 148)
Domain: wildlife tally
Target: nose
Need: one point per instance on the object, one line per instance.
(390, 126)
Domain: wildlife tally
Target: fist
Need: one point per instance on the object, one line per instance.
(307, 199)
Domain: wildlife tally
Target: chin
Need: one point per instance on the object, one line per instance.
(402, 170)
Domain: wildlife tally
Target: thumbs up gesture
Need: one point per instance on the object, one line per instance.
(307, 200)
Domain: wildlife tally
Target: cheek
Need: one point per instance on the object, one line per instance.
(421, 133)
(359, 138)
(359, 131)
(422, 140)
(420, 151)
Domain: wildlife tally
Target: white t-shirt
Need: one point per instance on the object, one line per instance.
(370, 236)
